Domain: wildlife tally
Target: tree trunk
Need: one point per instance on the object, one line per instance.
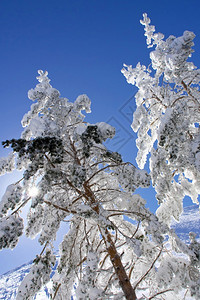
(123, 278)
(119, 268)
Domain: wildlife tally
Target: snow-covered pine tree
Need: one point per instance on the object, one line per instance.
(114, 248)
(167, 119)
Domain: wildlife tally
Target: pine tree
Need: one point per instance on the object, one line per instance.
(115, 248)
(167, 119)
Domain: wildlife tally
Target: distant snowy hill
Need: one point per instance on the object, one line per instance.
(9, 282)
(189, 222)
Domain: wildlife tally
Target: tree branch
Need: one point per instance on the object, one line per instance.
(56, 291)
(14, 212)
(149, 268)
(159, 293)
(61, 208)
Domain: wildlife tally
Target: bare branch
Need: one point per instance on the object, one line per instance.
(19, 180)
(61, 208)
(24, 203)
(147, 272)
(159, 293)
(56, 291)
(44, 248)
(194, 99)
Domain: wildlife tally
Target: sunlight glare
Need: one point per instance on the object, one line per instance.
(33, 191)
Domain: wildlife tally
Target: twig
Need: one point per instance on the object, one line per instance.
(59, 207)
(82, 261)
(181, 97)
(127, 236)
(86, 233)
(149, 268)
(131, 270)
(157, 98)
(185, 294)
(44, 248)
(109, 166)
(19, 181)
(189, 92)
(174, 172)
(109, 282)
(78, 198)
(49, 161)
(21, 206)
(56, 291)
(154, 121)
(160, 293)
(104, 259)
(121, 212)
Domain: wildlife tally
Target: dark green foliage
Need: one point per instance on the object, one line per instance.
(78, 175)
(92, 132)
(39, 145)
(11, 229)
(90, 135)
(115, 156)
(37, 150)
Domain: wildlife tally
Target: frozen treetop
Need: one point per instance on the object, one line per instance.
(170, 56)
(167, 118)
(43, 76)
(49, 109)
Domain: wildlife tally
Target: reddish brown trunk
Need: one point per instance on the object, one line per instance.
(124, 281)
(118, 266)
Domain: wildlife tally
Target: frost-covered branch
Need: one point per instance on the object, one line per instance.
(167, 119)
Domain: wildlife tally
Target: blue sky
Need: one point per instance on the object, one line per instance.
(83, 45)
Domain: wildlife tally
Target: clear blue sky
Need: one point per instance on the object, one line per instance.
(83, 45)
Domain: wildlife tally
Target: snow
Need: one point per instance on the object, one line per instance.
(9, 282)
